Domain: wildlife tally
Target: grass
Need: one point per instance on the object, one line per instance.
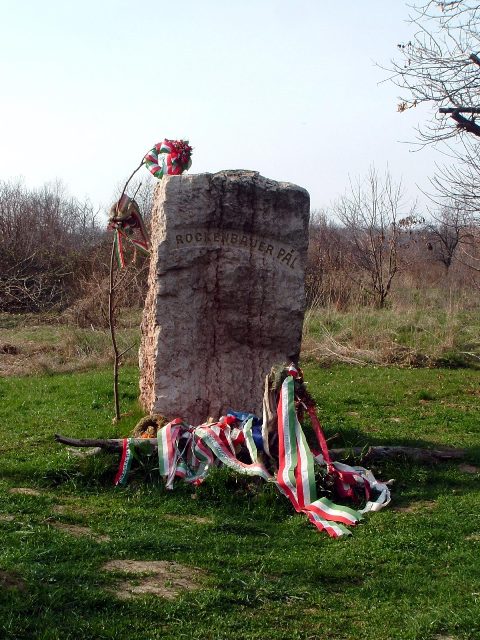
(416, 335)
(410, 572)
(412, 336)
(40, 344)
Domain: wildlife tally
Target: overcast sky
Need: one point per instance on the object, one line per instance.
(286, 87)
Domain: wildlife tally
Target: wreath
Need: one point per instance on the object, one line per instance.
(176, 160)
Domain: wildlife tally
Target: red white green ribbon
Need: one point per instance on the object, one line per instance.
(117, 238)
(188, 452)
(125, 462)
(348, 479)
(126, 221)
(176, 158)
(211, 437)
(296, 476)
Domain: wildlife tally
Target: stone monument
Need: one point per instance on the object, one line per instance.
(226, 292)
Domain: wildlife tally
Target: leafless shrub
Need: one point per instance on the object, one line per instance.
(375, 217)
(446, 234)
(45, 241)
(328, 264)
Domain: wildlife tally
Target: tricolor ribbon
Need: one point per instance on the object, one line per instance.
(125, 218)
(126, 221)
(188, 452)
(296, 475)
(125, 462)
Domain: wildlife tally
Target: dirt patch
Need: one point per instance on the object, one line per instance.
(78, 452)
(417, 507)
(9, 580)
(78, 531)
(468, 468)
(9, 349)
(25, 491)
(71, 509)
(156, 577)
(474, 536)
(187, 519)
(6, 517)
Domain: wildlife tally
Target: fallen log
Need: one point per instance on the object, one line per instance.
(414, 454)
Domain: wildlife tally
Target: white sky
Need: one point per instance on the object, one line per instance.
(285, 87)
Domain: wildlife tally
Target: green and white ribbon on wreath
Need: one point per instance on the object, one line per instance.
(175, 158)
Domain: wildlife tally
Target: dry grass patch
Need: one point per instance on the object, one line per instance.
(71, 510)
(188, 518)
(474, 536)
(25, 491)
(78, 531)
(468, 468)
(417, 507)
(10, 580)
(413, 336)
(40, 345)
(154, 577)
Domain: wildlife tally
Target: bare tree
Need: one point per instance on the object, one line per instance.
(327, 264)
(440, 66)
(374, 217)
(470, 254)
(458, 183)
(446, 234)
(45, 237)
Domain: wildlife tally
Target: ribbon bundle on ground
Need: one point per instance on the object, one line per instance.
(189, 452)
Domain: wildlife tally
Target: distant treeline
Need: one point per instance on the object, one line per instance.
(402, 262)
(55, 253)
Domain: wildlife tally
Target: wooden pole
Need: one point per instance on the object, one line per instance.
(111, 324)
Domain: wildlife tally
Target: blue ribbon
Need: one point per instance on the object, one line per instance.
(243, 416)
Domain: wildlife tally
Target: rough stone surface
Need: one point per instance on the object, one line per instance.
(226, 291)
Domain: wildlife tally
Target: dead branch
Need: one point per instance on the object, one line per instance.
(465, 123)
(413, 454)
(459, 110)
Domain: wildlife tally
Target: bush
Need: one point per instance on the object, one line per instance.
(46, 240)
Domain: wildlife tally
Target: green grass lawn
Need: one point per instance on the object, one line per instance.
(410, 572)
